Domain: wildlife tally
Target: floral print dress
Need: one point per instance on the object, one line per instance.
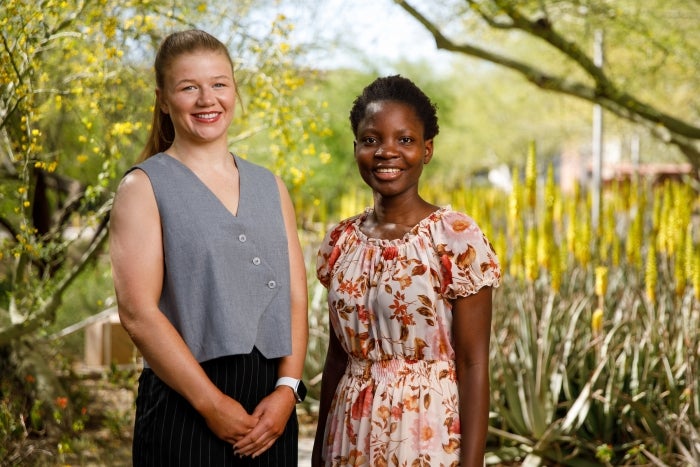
(390, 307)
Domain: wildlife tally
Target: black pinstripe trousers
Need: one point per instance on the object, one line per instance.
(169, 432)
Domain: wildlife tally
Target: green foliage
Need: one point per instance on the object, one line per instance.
(282, 124)
(12, 401)
(331, 179)
(646, 47)
(92, 293)
(560, 388)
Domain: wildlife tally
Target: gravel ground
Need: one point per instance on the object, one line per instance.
(305, 445)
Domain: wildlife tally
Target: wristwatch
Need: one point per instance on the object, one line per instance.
(297, 386)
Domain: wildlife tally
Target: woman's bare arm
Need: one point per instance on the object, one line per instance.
(471, 327)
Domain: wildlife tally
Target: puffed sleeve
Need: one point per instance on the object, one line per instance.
(328, 253)
(467, 259)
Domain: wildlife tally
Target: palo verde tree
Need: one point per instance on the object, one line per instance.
(61, 120)
(648, 75)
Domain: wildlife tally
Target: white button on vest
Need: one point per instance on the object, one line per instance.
(242, 238)
(256, 261)
(272, 284)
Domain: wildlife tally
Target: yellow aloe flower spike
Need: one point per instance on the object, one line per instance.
(601, 281)
(555, 268)
(597, 321)
(651, 273)
(531, 255)
(531, 177)
(546, 237)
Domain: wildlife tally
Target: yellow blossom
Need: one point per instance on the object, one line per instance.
(531, 176)
(597, 321)
(651, 273)
(531, 269)
(310, 150)
(555, 270)
(601, 281)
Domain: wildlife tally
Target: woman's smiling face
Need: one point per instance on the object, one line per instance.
(390, 149)
(200, 96)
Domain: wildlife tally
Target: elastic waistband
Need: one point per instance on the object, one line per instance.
(395, 368)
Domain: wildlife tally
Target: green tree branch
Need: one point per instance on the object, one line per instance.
(602, 90)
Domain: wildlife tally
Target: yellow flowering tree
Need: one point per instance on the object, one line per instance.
(65, 119)
(282, 123)
(62, 117)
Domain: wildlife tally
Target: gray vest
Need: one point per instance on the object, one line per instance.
(226, 284)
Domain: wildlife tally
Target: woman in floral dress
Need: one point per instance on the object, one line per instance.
(406, 378)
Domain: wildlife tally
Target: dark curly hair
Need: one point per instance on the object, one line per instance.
(396, 88)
